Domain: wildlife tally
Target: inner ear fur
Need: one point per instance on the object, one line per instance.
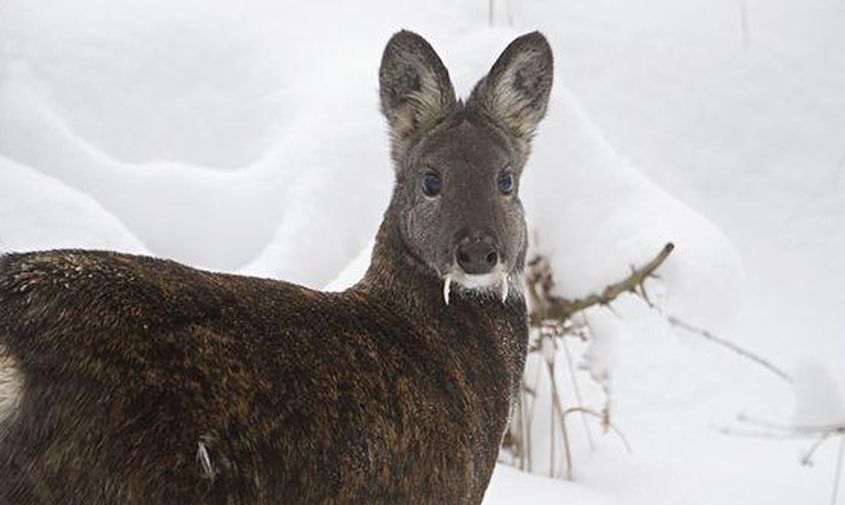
(415, 90)
(515, 93)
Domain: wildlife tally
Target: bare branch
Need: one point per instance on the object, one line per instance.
(807, 458)
(674, 321)
(743, 20)
(605, 421)
(768, 435)
(554, 307)
(811, 429)
(570, 365)
(558, 409)
(838, 475)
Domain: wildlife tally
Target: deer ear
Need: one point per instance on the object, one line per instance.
(515, 92)
(415, 90)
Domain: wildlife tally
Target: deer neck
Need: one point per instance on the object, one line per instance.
(399, 278)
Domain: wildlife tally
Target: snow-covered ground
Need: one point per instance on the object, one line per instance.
(246, 137)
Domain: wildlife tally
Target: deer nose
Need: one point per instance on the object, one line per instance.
(477, 257)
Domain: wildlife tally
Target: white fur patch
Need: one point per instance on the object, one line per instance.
(204, 459)
(479, 282)
(10, 384)
(497, 281)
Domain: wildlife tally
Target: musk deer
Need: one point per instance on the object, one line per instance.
(143, 381)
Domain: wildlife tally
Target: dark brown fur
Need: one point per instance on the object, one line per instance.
(380, 394)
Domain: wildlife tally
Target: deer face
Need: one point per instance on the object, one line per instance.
(458, 166)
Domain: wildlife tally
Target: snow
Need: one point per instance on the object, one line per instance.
(246, 137)
(819, 401)
(39, 212)
(509, 486)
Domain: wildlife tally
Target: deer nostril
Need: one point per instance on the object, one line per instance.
(477, 257)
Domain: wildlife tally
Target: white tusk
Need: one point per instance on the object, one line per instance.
(504, 287)
(447, 286)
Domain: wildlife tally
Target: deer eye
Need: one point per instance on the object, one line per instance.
(431, 184)
(506, 183)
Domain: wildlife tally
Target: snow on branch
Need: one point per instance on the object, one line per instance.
(551, 318)
(550, 307)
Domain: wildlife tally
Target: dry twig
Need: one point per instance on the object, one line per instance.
(678, 323)
(838, 472)
(605, 422)
(553, 307)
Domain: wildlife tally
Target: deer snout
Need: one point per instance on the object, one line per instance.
(477, 257)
